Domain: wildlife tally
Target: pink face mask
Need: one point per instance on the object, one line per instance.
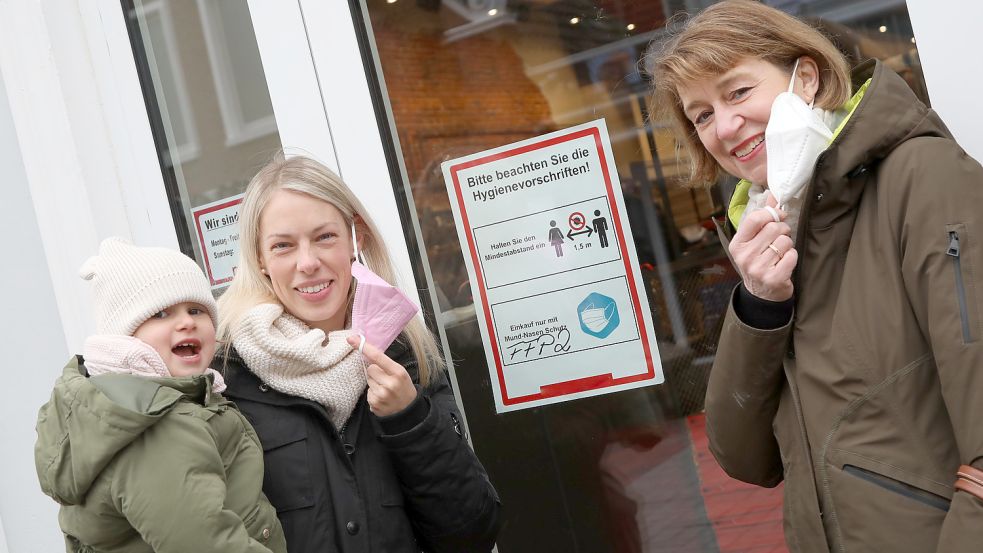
(380, 311)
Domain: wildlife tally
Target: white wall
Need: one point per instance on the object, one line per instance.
(947, 33)
(84, 138)
(34, 350)
(78, 163)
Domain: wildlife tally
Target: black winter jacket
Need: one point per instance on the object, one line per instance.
(404, 483)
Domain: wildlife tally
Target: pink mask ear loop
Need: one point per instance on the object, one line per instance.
(355, 253)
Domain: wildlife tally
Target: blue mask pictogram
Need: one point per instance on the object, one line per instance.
(598, 315)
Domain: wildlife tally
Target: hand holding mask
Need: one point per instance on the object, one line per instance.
(390, 387)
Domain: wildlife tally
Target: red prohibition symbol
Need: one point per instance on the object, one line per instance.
(577, 220)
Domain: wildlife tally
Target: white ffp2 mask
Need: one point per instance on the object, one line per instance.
(794, 138)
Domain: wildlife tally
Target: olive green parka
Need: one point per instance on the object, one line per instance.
(868, 401)
(152, 465)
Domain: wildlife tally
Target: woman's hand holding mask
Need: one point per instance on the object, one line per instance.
(390, 387)
(764, 253)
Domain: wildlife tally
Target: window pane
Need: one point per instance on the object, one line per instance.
(207, 99)
(629, 471)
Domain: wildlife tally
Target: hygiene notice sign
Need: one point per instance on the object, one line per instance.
(218, 236)
(553, 269)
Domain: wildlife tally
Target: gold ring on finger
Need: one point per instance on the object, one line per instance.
(774, 249)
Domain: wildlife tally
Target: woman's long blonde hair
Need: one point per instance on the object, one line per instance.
(250, 287)
(717, 39)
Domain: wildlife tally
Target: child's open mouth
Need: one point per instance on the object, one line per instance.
(188, 348)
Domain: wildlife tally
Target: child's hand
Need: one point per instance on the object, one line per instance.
(390, 387)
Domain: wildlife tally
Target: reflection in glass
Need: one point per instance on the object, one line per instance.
(207, 99)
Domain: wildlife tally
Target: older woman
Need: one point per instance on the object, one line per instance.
(850, 362)
(364, 448)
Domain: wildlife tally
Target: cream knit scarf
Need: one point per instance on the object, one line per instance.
(295, 359)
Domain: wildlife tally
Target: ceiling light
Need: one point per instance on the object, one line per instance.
(631, 27)
(390, 1)
(575, 20)
(493, 11)
(883, 29)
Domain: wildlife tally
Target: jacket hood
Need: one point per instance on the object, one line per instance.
(88, 420)
(888, 115)
(883, 114)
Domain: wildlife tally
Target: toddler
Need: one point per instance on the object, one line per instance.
(136, 443)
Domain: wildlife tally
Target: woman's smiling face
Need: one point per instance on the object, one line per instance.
(306, 251)
(730, 113)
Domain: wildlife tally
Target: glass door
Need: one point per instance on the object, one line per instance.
(630, 471)
(227, 83)
(207, 99)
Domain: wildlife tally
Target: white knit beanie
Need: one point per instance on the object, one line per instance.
(131, 284)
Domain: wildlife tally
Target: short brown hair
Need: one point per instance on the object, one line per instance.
(717, 39)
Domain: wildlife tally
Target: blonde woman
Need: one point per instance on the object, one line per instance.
(850, 364)
(362, 455)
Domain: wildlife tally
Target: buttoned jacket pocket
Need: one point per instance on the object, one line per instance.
(286, 474)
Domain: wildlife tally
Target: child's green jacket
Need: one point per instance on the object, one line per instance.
(152, 465)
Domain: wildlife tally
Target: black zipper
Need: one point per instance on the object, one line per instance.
(349, 448)
(457, 425)
(953, 251)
